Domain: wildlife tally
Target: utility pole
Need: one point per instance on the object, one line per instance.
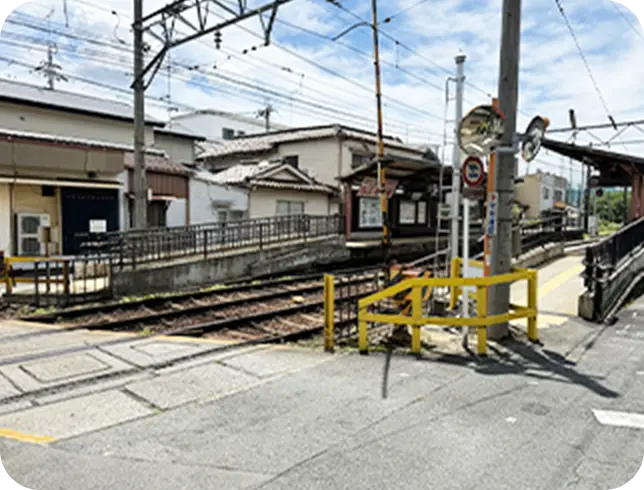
(456, 157)
(140, 181)
(266, 114)
(386, 238)
(50, 69)
(499, 299)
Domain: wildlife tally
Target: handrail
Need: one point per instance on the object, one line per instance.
(481, 321)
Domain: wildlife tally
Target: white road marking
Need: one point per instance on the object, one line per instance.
(620, 419)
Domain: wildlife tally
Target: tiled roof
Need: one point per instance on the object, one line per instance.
(62, 140)
(157, 163)
(17, 92)
(266, 142)
(254, 174)
(239, 174)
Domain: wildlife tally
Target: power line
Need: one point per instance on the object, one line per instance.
(585, 61)
(597, 126)
(628, 21)
(406, 9)
(298, 56)
(288, 97)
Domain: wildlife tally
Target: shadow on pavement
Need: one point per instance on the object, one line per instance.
(524, 358)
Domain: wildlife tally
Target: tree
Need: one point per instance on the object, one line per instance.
(610, 206)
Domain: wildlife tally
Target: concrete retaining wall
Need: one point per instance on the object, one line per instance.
(194, 274)
(539, 256)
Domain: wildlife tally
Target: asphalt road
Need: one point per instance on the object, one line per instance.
(522, 420)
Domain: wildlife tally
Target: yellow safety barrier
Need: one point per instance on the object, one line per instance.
(9, 279)
(456, 284)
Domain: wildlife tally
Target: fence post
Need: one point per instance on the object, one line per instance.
(66, 279)
(455, 272)
(329, 313)
(205, 243)
(416, 314)
(481, 312)
(37, 283)
(261, 236)
(533, 333)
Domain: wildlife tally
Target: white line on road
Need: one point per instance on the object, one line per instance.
(620, 419)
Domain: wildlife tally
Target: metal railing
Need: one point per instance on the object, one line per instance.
(134, 247)
(55, 281)
(611, 250)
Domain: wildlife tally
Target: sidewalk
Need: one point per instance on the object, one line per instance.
(285, 417)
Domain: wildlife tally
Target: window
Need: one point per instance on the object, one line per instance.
(236, 215)
(222, 216)
(558, 195)
(358, 160)
(546, 193)
(292, 160)
(289, 208)
(48, 191)
(227, 133)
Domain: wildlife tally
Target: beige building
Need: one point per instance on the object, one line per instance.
(279, 189)
(540, 192)
(324, 152)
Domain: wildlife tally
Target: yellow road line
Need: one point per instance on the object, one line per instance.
(559, 279)
(22, 437)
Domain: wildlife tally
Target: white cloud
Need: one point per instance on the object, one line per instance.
(553, 78)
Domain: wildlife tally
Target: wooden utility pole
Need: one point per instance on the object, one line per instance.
(386, 237)
(508, 90)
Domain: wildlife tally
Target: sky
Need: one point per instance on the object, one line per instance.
(309, 78)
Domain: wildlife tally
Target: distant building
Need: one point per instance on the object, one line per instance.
(220, 126)
(541, 192)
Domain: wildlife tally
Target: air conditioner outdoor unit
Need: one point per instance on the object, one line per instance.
(28, 226)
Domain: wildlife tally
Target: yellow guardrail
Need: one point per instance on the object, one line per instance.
(10, 279)
(456, 284)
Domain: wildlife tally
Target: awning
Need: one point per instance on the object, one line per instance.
(86, 184)
(401, 169)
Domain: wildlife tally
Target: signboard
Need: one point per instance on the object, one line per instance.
(98, 226)
(492, 213)
(481, 130)
(474, 193)
(370, 212)
(369, 187)
(533, 138)
(407, 213)
(473, 172)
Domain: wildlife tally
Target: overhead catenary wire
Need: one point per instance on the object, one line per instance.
(627, 20)
(229, 79)
(584, 60)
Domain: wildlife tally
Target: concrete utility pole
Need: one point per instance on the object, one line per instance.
(499, 299)
(456, 157)
(140, 181)
(50, 69)
(266, 114)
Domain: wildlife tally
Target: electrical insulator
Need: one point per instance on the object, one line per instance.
(217, 39)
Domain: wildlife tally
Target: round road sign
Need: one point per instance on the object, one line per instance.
(473, 171)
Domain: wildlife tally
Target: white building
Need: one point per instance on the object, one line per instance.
(279, 189)
(213, 201)
(324, 152)
(219, 126)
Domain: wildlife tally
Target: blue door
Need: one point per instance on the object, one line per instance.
(79, 207)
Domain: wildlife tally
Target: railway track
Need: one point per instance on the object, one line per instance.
(241, 314)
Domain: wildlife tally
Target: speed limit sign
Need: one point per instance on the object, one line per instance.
(473, 172)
